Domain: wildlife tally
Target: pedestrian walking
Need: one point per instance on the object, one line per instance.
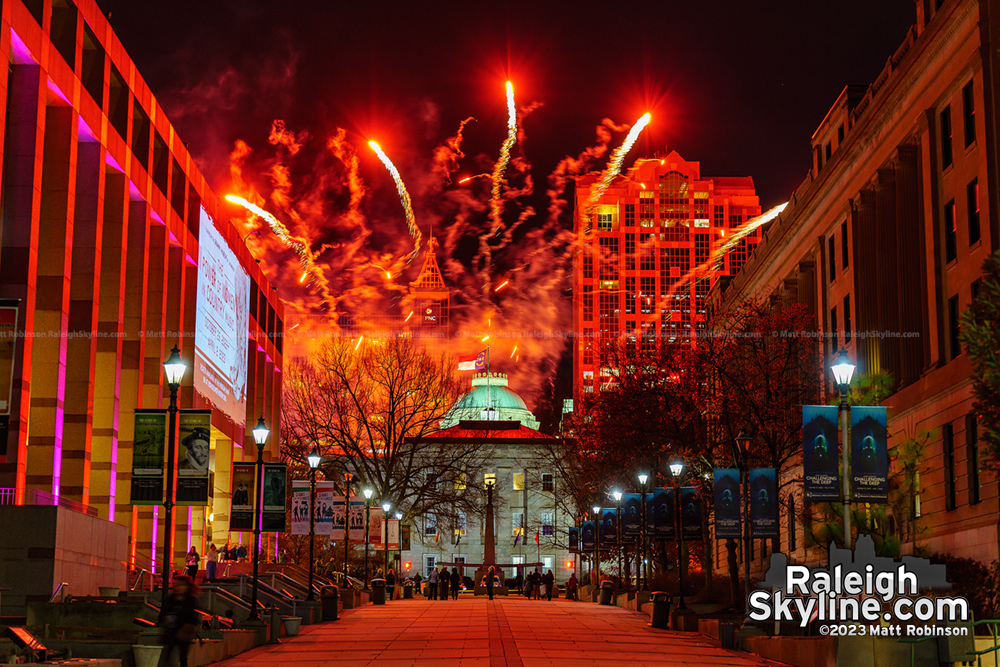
(489, 582)
(445, 580)
(550, 584)
(536, 584)
(456, 583)
(571, 587)
(432, 584)
(416, 582)
(211, 563)
(179, 618)
(192, 561)
(390, 584)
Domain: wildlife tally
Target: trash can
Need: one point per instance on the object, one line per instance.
(659, 614)
(408, 590)
(607, 592)
(328, 597)
(378, 591)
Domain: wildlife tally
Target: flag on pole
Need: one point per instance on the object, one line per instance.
(472, 362)
(536, 537)
(516, 539)
(437, 536)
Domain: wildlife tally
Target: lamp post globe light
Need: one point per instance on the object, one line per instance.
(386, 506)
(314, 459)
(174, 368)
(677, 469)
(260, 433)
(617, 495)
(843, 373)
(642, 511)
(742, 456)
(597, 545)
(368, 508)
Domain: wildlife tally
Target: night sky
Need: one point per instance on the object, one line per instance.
(739, 85)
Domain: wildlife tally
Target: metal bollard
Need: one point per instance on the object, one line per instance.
(275, 626)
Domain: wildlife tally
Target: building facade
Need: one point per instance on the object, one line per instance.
(105, 218)
(645, 263)
(530, 524)
(884, 243)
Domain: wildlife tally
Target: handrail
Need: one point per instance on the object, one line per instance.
(59, 589)
(141, 571)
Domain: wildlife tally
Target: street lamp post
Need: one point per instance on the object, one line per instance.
(742, 462)
(677, 469)
(368, 509)
(347, 521)
(260, 433)
(645, 562)
(597, 544)
(173, 368)
(618, 531)
(399, 527)
(314, 459)
(843, 371)
(386, 506)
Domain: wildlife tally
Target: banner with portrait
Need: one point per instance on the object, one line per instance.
(588, 536)
(193, 456)
(148, 456)
(274, 487)
(691, 510)
(763, 484)
(820, 473)
(660, 515)
(242, 495)
(609, 528)
(728, 520)
(869, 454)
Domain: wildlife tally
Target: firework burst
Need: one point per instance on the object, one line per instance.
(501, 164)
(404, 198)
(615, 165)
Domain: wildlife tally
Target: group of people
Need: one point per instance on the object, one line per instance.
(439, 583)
(536, 585)
(228, 553)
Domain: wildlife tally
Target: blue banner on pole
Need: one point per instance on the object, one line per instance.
(869, 454)
(609, 528)
(631, 516)
(660, 514)
(821, 478)
(728, 521)
(763, 502)
(574, 539)
(691, 513)
(588, 535)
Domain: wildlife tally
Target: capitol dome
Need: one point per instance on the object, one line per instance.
(505, 404)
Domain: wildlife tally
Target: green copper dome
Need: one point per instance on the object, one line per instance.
(491, 391)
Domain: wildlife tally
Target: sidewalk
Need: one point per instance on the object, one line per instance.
(506, 632)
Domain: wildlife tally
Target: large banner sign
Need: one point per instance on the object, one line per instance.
(300, 507)
(275, 483)
(323, 519)
(763, 502)
(869, 454)
(375, 531)
(148, 455)
(660, 515)
(691, 528)
(728, 521)
(821, 478)
(588, 537)
(609, 528)
(222, 324)
(574, 539)
(193, 456)
(392, 539)
(631, 515)
(356, 520)
(243, 493)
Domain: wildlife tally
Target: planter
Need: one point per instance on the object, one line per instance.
(146, 655)
(292, 625)
(108, 591)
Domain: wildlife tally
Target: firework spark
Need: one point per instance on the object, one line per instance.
(614, 166)
(501, 286)
(404, 198)
(501, 165)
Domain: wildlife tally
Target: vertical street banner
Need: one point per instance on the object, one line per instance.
(193, 456)
(242, 496)
(573, 538)
(339, 518)
(356, 520)
(392, 539)
(820, 474)
(300, 507)
(148, 455)
(763, 502)
(690, 501)
(631, 517)
(609, 528)
(375, 531)
(324, 508)
(728, 520)
(869, 454)
(661, 515)
(588, 536)
(274, 487)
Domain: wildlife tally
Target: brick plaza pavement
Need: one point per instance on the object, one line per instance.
(506, 632)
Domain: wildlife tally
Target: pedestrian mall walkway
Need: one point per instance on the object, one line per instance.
(506, 632)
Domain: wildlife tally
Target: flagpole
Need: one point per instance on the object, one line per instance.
(489, 404)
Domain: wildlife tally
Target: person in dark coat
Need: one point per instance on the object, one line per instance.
(444, 579)
(489, 582)
(179, 618)
(456, 582)
(550, 584)
(390, 584)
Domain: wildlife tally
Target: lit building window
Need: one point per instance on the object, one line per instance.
(548, 529)
(519, 476)
(460, 482)
(489, 479)
(548, 482)
(517, 524)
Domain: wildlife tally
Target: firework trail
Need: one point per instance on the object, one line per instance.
(614, 166)
(501, 165)
(404, 198)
